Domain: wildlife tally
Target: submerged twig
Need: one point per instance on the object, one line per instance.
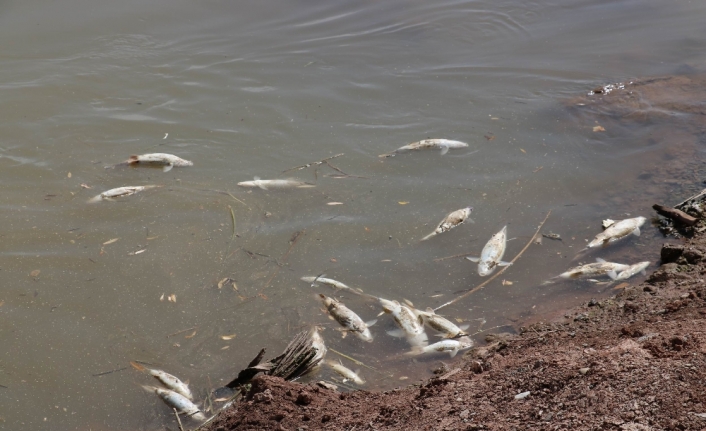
(181, 428)
(232, 217)
(182, 331)
(103, 373)
(320, 162)
(438, 259)
(497, 274)
(293, 241)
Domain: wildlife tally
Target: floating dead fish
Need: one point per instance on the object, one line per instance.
(429, 144)
(632, 270)
(160, 159)
(348, 319)
(119, 193)
(411, 325)
(552, 235)
(440, 324)
(347, 373)
(618, 230)
(177, 401)
(328, 281)
(285, 183)
(169, 381)
(450, 346)
(598, 268)
(492, 254)
(452, 220)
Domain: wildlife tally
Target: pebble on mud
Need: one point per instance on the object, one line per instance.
(522, 395)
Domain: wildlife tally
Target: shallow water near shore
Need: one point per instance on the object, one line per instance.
(243, 91)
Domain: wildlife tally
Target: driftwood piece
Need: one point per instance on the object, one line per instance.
(675, 214)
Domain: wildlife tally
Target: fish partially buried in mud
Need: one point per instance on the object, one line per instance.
(348, 319)
(632, 270)
(345, 372)
(428, 144)
(285, 183)
(169, 381)
(452, 220)
(447, 328)
(450, 346)
(598, 268)
(617, 230)
(159, 159)
(411, 325)
(177, 401)
(119, 192)
(492, 254)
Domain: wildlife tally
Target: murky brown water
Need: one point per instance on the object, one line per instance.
(252, 89)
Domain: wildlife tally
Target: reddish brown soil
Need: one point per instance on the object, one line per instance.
(636, 361)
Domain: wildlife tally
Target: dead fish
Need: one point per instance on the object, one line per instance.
(441, 324)
(492, 254)
(429, 144)
(600, 267)
(411, 325)
(169, 381)
(118, 193)
(177, 401)
(285, 183)
(347, 373)
(552, 235)
(317, 342)
(450, 346)
(329, 281)
(348, 319)
(161, 159)
(452, 220)
(618, 230)
(632, 270)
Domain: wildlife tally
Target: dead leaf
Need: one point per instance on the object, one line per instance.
(225, 347)
(494, 118)
(263, 296)
(161, 298)
(227, 337)
(333, 259)
(459, 320)
(367, 229)
(176, 345)
(523, 150)
(598, 129)
(150, 238)
(172, 298)
(404, 378)
(489, 136)
(538, 169)
(335, 203)
(222, 282)
(34, 273)
(235, 286)
(110, 241)
(137, 252)
(386, 260)
(190, 336)
(507, 283)
(403, 202)
(85, 186)
(622, 286)
(69, 175)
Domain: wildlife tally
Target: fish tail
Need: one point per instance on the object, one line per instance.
(416, 350)
(95, 199)
(428, 236)
(132, 159)
(382, 156)
(137, 366)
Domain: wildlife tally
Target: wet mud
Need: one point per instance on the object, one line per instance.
(633, 361)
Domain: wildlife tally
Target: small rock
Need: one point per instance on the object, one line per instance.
(464, 414)
(325, 418)
(522, 395)
(584, 370)
(476, 367)
(592, 302)
(671, 252)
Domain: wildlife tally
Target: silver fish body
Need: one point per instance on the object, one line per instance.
(318, 343)
(345, 372)
(452, 220)
(598, 268)
(411, 325)
(177, 401)
(618, 230)
(441, 324)
(169, 381)
(162, 159)
(284, 183)
(347, 318)
(118, 193)
(450, 346)
(328, 281)
(429, 144)
(492, 254)
(632, 270)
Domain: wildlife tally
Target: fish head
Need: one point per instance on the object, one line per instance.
(639, 221)
(365, 335)
(486, 268)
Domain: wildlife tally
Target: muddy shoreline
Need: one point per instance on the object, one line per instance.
(634, 361)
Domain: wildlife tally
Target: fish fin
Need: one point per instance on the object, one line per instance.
(416, 350)
(444, 149)
(371, 322)
(636, 232)
(344, 334)
(358, 289)
(256, 178)
(167, 168)
(149, 388)
(501, 263)
(382, 312)
(95, 199)
(138, 367)
(262, 186)
(408, 302)
(643, 272)
(464, 327)
(473, 259)
(397, 333)
(430, 310)
(612, 274)
(453, 352)
(470, 220)
(428, 236)
(599, 260)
